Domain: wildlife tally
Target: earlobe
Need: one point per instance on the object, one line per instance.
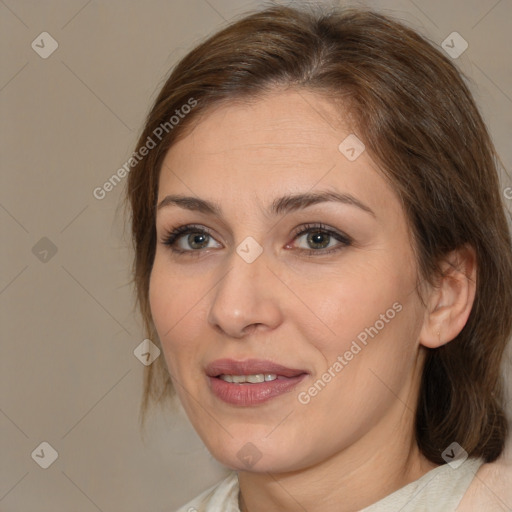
(451, 300)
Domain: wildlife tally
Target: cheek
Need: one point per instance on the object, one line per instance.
(349, 302)
(373, 318)
(376, 326)
(174, 301)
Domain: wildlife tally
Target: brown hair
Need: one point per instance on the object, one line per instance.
(419, 121)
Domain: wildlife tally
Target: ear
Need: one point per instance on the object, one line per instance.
(451, 299)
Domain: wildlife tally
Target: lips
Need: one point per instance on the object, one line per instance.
(250, 367)
(251, 394)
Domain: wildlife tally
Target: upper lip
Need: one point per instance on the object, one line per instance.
(249, 367)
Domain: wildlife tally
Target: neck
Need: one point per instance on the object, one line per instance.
(348, 481)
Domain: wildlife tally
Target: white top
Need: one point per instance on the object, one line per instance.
(441, 489)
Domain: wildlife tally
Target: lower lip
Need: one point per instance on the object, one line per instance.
(252, 394)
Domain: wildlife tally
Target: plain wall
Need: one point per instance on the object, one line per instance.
(68, 375)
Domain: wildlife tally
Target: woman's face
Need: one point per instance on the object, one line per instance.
(297, 270)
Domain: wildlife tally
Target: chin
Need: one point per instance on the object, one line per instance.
(258, 454)
(252, 460)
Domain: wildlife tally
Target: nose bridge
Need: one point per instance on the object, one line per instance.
(243, 296)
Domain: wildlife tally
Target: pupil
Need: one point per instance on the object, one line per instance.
(197, 241)
(319, 240)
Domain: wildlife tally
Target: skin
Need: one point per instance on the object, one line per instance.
(353, 443)
(490, 490)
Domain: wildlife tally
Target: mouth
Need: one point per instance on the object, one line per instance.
(251, 382)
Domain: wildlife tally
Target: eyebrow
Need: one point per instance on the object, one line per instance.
(284, 204)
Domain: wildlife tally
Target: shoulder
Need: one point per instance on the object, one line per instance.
(222, 497)
(491, 488)
(442, 488)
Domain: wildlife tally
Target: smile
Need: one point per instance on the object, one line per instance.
(251, 382)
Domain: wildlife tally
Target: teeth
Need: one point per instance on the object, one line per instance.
(252, 379)
(255, 379)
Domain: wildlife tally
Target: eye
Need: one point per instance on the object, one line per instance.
(320, 239)
(190, 239)
(314, 240)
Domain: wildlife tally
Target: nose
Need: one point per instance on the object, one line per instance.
(245, 299)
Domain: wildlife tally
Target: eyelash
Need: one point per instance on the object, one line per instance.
(171, 237)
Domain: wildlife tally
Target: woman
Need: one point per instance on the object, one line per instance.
(322, 256)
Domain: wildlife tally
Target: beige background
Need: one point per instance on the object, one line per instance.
(68, 373)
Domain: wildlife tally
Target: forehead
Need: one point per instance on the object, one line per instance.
(272, 123)
(283, 142)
